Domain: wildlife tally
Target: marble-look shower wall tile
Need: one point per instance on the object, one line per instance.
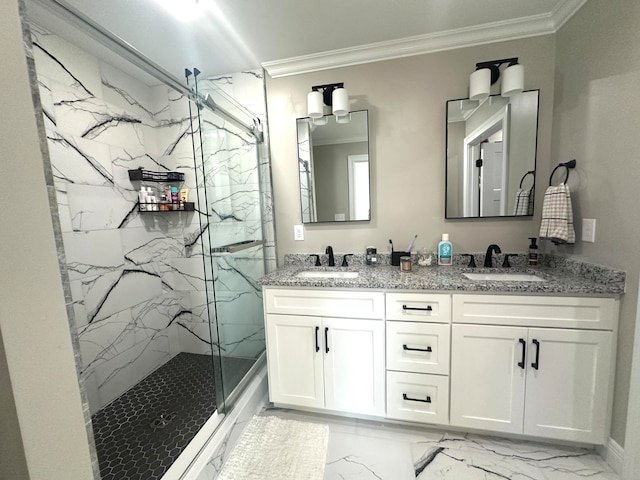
(239, 272)
(79, 161)
(46, 102)
(197, 334)
(129, 367)
(186, 274)
(130, 158)
(64, 213)
(99, 208)
(237, 340)
(117, 291)
(178, 104)
(65, 63)
(130, 94)
(105, 339)
(142, 246)
(92, 253)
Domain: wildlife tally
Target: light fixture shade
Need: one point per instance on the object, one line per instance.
(513, 80)
(321, 120)
(340, 100)
(480, 84)
(344, 118)
(315, 105)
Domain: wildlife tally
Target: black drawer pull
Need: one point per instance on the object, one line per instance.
(536, 364)
(317, 344)
(425, 309)
(524, 352)
(428, 349)
(428, 400)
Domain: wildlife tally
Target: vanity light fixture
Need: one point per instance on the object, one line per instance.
(332, 95)
(488, 73)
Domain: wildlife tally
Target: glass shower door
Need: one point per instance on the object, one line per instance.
(233, 245)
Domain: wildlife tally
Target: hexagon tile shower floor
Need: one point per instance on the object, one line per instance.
(141, 433)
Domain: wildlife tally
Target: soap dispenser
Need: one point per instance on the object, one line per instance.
(533, 253)
(445, 251)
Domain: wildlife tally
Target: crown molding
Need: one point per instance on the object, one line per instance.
(536, 25)
(564, 11)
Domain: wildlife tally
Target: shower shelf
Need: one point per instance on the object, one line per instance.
(141, 175)
(186, 207)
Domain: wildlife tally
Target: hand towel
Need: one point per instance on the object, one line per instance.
(524, 205)
(557, 215)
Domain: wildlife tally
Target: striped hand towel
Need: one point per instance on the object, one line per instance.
(524, 205)
(557, 216)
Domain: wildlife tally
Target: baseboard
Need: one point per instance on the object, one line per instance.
(613, 454)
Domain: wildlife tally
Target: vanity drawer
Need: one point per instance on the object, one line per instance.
(325, 303)
(418, 347)
(418, 307)
(536, 311)
(418, 397)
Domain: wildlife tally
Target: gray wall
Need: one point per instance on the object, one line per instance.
(331, 170)
(406, 101)
(13, 463)
(33, 319)
(597, 121)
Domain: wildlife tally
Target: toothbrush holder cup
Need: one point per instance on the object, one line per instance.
(395, 257)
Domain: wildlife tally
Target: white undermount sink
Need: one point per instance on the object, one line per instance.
(316, 274)
(504, 277)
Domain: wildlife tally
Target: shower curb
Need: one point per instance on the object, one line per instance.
(204, 456)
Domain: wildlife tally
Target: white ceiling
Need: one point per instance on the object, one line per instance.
(295, 36)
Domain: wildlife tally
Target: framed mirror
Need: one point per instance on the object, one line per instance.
(491, 156)
(333, 167)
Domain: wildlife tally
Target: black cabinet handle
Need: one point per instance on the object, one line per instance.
(428, 399)
(428, 349)
(326, 339)
(524, 352)
(317, 344)
(426, 309)
(536, 364)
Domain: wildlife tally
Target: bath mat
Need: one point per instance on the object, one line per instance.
(272, 448)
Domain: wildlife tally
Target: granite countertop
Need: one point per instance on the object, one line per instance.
(562, 276)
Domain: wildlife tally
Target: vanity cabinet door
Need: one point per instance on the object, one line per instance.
(567, 384)
(354, 365)
(488, 377)
(294, 359)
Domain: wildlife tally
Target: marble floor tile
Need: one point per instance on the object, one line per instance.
(365, 449)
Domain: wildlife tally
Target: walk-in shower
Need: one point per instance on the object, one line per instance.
(165, 303)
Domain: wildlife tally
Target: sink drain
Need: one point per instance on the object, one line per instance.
(163, 420)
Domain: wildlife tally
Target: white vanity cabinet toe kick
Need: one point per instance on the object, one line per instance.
(513, 373)
(325, 349)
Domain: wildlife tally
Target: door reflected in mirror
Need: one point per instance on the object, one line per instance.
(491, 156)
(333, 167)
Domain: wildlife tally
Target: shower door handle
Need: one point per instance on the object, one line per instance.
(326, 339)
(317, 344)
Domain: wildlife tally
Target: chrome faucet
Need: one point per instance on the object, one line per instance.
(329, 251)
(488, 260)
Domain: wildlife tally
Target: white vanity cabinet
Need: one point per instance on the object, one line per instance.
(418, 340)
(325, 349)
(540, 366)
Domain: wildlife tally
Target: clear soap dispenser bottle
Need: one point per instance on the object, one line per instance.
(533, 253)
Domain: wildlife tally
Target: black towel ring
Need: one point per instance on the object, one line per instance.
(567, 165)
(530, 172)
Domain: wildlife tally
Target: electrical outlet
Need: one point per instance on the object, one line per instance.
(298, 232)
(589, 230)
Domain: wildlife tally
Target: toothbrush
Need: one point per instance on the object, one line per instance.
(408, 249)
(391, 243)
